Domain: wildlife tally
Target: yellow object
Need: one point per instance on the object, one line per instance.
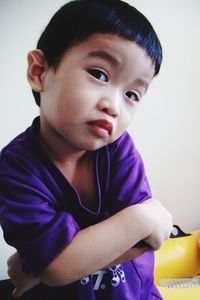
(178, 258)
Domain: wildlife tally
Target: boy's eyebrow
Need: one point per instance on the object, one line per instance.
(105, 55)
(143, 84)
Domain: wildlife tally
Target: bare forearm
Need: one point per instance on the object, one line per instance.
(105, 244)
(96, 247)
(100, 245)
(25, 281)
(130, 254)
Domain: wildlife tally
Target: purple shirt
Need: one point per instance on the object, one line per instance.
(40, 212)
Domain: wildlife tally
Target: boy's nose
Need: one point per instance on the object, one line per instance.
(109, 105)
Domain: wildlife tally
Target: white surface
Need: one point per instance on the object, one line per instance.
(166, 127)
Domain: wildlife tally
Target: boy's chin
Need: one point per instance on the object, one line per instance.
(96, 145)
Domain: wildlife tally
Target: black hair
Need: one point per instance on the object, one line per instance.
(79, 19)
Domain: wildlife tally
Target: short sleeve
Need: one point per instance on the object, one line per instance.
(128, 181)
(29, 216)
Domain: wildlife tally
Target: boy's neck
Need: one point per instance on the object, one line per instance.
(62, 156)
(59, 153)
(78, 168)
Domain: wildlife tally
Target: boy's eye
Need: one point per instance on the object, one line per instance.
(98, 75)
(132, 96)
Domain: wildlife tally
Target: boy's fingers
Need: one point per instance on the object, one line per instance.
(17, 293)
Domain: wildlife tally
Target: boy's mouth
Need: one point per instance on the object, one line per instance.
(101, 128)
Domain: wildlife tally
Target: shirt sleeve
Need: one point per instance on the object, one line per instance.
(128, 181)
(29, 217)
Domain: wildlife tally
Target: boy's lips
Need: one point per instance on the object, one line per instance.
(102, 128)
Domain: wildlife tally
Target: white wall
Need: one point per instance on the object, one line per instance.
(166, 127)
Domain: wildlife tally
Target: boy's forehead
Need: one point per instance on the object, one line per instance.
(115, 49)
(106, 41)
(109, 47)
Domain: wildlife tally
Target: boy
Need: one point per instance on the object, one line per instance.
(74, 196)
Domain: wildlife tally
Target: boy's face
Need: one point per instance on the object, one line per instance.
(89, 100)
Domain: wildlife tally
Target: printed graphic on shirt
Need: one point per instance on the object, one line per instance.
(116, 275)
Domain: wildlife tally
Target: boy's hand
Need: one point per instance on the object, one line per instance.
(160, 221)
(21, 280)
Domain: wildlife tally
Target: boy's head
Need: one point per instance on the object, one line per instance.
(79, 19)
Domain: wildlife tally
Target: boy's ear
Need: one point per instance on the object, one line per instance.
(36, 69)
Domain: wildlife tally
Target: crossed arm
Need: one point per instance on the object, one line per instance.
(105, 244)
